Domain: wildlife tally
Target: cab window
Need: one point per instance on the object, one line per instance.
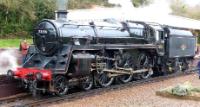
(161, 35)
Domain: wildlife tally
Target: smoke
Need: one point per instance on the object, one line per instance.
(8, 60)
(155, 11)
(161, 7)
(159, 11)
(62, 4)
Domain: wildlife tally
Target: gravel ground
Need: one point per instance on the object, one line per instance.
(138, 96)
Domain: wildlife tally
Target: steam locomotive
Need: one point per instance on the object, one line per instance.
(68, 53)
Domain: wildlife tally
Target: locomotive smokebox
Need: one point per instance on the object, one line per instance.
(61, 13)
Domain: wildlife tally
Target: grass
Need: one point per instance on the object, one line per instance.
(10, 43)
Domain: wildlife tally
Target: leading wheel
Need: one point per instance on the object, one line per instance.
(61, 85)
(32, 88)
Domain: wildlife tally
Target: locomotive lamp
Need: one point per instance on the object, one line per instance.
(38, 76)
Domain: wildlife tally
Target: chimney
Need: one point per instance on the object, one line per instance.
(61, 13)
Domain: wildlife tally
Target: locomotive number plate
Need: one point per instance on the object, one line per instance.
(42, 31)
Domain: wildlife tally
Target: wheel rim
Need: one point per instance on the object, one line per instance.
(146, 74)
(126, 78)
(88, 83)
(143, 63)
(104, 79)
(185, 65)
(61, 85)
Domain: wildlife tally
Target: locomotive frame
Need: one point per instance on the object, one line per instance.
(68, 54)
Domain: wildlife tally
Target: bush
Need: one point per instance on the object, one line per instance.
(21, 15)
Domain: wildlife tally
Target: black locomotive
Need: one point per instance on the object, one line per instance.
(67, 53)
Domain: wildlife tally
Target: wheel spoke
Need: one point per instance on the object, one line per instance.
(61, 85)
(126, 61)
(104, 80)
(144, 64)
(88, 83)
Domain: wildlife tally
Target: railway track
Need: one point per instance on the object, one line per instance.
(29, 101)
(13, 98)
(8, 87)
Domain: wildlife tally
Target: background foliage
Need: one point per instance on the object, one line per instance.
(138, 3)
(179, 7)
(17, 17)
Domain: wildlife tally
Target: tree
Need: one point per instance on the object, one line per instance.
(44, 9)
(21, 15)
(15, 16)
(21, 9)
(179, 7)
(138, 3)
(80, 4)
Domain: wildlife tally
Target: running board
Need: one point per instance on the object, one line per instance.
(126, 71)
(193, 69)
